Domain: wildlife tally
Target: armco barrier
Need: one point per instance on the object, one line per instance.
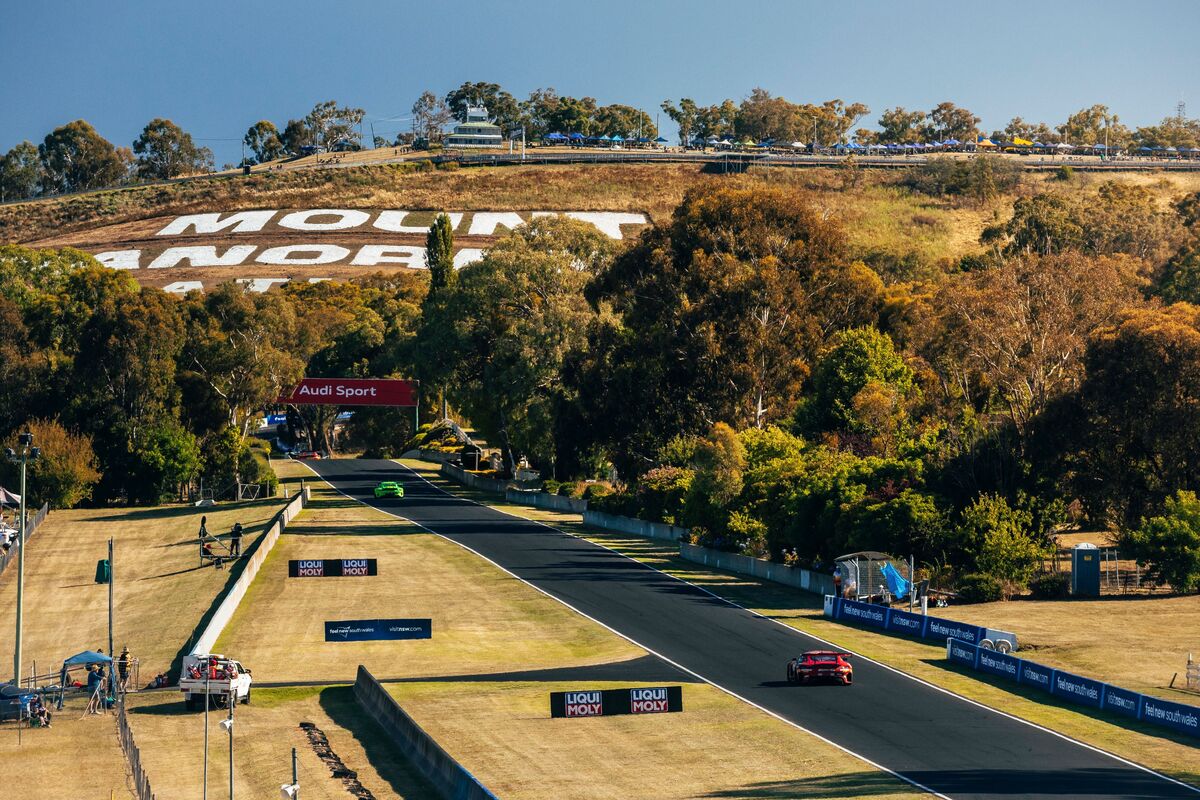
(803, 579)
(632, 525)
(918, 626)
(448, 777)
(220, 618)
(1077, 689)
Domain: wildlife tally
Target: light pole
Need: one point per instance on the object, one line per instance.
(28, 453)
(227, 724)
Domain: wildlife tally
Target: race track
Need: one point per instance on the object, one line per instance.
(930, 738)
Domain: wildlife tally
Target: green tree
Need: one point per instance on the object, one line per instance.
(501, 106)
(1169, 543)
(857, 360)
(999, 540)
(66, 471)
(500, 339)
(1094, 125)
(1140, 409)
(297, 135)
(77, 158)
(439, 253)
(332, 124)
(684, 115)
(21, 173)
(164, 150)
(948, 121)
(430, 117)
(161, 462)
(626, 121)
(901, 125)
(262, 138)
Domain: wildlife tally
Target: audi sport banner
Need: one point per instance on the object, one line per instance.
(353, 392)
(332, 568)
(607, 702)
(369, 630)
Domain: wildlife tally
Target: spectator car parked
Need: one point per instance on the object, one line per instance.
(821, 665)
(14, 701)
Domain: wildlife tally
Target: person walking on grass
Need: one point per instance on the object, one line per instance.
(235, 540)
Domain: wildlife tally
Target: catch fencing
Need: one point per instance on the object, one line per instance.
(141, 783)
(1077, 689)
(451, 780)
(208, 638)
(11, 554)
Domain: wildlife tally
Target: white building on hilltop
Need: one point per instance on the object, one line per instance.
(477, 131)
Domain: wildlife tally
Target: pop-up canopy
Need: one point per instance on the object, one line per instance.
(7, 498)
(88, 657)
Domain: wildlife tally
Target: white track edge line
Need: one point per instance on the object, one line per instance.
(615, 632)
(751, 611)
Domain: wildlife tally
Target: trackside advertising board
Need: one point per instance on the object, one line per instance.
(332, 568)
(902, 622)
(1078, 689)
(608, 702)
(353, 392)
(370, 630)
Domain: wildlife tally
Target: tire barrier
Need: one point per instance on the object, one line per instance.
(451, 780)
(1076, 689)
(918, 626)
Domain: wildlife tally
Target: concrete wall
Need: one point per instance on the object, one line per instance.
(798, 578)
(208, 639)
(637, 527)
(474, 481)
(551, 502)
(448, 777)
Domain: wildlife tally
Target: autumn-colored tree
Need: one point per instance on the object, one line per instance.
(67, 469)
(1094, 125)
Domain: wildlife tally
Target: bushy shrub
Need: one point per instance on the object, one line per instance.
(980, 588)
(1064, 173)
(1050, 586)
(595, 491)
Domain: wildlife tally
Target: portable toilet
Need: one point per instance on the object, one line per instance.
(1085, 570)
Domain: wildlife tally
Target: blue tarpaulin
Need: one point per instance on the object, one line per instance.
(896, 582)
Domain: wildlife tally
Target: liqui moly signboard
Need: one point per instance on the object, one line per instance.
(332, 568)
(353, 392)
(609, 702)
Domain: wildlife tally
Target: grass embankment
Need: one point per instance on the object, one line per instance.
(161, 594)
(485, 621)
(76, 757)
(1100, 650)
(717, 747)
(172, 745)
(161, 591)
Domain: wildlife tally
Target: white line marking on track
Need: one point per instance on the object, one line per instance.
(752, 612)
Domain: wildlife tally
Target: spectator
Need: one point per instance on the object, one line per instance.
(123, 667)
(235, 540)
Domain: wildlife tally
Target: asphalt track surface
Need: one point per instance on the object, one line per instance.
(930, 738)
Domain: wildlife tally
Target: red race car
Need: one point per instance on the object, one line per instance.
(821, 665)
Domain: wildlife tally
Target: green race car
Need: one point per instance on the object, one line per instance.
(389, 489)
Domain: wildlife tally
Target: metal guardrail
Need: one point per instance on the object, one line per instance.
(141, 782)
(37, 520)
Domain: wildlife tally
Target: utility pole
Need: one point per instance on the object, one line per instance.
(28, 453)
(111, 578)
(295, 777)
(232, 701)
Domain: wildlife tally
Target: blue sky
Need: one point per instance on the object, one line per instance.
(216, 67)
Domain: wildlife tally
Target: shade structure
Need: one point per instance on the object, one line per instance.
(642, 140)
(1170, 150)
(617, 138)
(576, 136)
(7, 498)
(725, 142)
(797, 145)
(1017, 140)
(555, 137)
(87, 657)
(603, 138)
(952, 142)
(711, 140)
(747, 142)
(661, 140)
(1064, 146)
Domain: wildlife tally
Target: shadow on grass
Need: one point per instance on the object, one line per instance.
(393, 767)
(852, 784)
(1042, 698)
(169, 512)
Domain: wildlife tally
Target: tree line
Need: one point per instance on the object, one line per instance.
(734, 368)
(74, 157)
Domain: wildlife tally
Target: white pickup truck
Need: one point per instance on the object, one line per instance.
(216, 676)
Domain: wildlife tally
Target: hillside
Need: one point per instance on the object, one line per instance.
(901, 233)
